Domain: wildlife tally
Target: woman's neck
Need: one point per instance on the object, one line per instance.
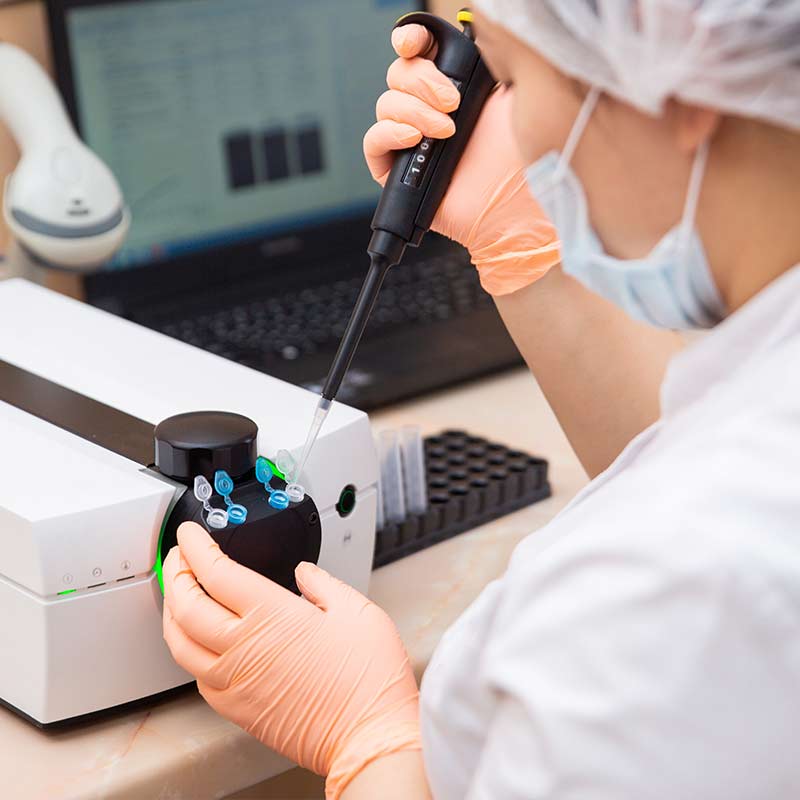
(750, 209)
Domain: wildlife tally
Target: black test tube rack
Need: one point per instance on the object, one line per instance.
(471, 481)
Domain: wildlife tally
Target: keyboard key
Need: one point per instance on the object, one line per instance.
(298, 323)
(290, 352)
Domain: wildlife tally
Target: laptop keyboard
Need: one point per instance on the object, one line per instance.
(300, 323)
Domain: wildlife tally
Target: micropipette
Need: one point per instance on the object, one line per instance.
(413, 191)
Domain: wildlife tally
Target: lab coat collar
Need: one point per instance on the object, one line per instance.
(772, 316)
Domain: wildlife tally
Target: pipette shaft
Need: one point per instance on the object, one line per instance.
(378, 267)
(413, 190)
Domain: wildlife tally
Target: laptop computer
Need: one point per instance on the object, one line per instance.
(235, 128)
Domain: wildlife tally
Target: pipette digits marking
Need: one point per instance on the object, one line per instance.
(413, 191)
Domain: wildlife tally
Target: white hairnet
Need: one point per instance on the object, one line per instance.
(736, 56)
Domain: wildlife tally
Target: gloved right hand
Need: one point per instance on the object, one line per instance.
(323, 679)
(488, 207)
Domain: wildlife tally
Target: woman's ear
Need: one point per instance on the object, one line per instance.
(694, 125)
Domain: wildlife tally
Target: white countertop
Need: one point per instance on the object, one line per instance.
(181, 749)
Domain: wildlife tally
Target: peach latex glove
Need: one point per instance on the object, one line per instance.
(488, 207)
(323, 679)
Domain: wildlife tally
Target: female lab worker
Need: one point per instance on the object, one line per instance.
(647, 643)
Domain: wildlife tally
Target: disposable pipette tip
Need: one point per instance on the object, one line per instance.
(320, 415)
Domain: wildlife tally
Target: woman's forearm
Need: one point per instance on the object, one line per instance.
(400, 776)
(600, 370)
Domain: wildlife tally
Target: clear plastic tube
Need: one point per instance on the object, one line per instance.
(216, 518)
(285, 462)
(394, 502)
(320, 415)
(414, 475)
(380, 516)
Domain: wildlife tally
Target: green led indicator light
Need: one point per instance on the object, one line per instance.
(158, 567)
(67, 591)
(275, 469)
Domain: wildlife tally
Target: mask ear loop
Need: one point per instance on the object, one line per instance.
(577, 130)
(693, 197)
(574, 137)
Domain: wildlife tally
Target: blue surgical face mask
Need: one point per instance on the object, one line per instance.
(671, 287)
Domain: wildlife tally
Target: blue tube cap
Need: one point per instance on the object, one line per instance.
(279, 500)
(237, 514)
(223, 482)
(264, 471)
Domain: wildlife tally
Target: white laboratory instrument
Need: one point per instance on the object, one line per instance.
(82, 510)
(62, 203)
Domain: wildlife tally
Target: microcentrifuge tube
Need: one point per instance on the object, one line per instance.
(202, 489)
(264, 471)
(279, 499)
(216, 518)
(295, 492)
(237, 514)
(394, 502)
(223, 482)
(414, 474)
(285, 463)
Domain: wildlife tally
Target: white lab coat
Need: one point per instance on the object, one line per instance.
(646, 644)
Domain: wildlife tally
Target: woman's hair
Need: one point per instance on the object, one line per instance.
(740, 57)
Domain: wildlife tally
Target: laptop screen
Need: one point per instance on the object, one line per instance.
(226, 120)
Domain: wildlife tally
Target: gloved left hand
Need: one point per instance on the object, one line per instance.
(323, 679)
